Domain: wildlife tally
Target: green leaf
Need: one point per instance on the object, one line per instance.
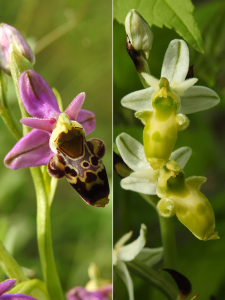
(174, 14)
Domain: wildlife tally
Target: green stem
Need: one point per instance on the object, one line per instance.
(44, 237)
(168, 241)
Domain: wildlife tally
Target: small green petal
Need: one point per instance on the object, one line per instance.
(151, 81)
(181, 87)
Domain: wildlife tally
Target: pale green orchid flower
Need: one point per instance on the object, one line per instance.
(144, 178)
(175, 68)
(178, 195)
(163, 106)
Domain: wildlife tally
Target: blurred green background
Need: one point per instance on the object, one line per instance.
(202, 262)
(79, 61)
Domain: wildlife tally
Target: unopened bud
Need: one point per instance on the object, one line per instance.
(138, 32)
(10, 35)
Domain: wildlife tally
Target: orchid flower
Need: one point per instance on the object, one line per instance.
(144, 178)
(174, 69)
(80, 293)
(163, 106)
(40, 102)
(60, 141)
(123, 253)
(178, 195)
(7, 285)
(95, 289)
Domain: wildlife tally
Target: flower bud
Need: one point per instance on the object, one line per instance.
(183, 197)
(138, 32)
(9, 35)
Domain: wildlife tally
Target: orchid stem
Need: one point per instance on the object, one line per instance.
(44, 237)
(168, 241)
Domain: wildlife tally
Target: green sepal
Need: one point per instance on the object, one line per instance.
(18, 64)
(5, 112)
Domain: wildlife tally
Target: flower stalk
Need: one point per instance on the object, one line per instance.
(168, 242)
(44, 237)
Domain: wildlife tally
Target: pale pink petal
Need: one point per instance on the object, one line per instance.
(74, 108)
(42, 124)
(6, 285)
(87, 119)
(38, 98)
(32, 150)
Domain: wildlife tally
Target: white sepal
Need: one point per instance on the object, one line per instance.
(176, 61)
(132, 152)
(138, 185)
(198, 98)
(139, 100)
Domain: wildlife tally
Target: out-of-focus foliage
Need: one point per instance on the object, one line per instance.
(170, 13)
(203, 263)
(79, 61)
